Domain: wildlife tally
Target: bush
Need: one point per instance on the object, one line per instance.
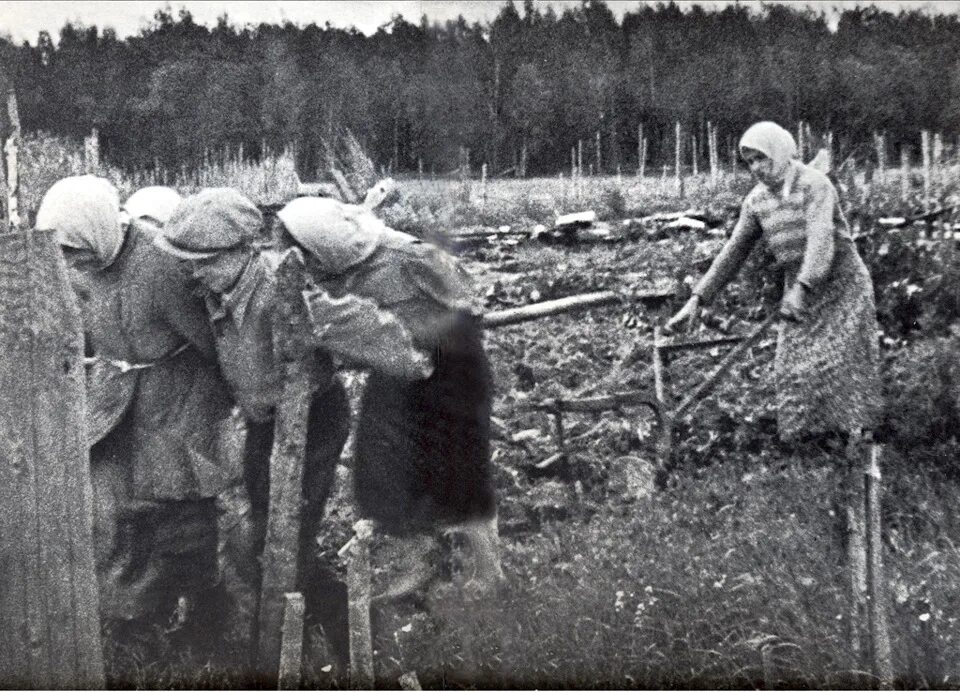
(923, 386)
(614, 203)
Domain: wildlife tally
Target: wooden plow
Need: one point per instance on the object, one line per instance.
(659, 398)
(868, 597)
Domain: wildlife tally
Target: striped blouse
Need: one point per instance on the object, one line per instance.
(800, 225)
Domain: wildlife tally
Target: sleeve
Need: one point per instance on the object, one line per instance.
(357, 330)
(732, 256)
(186, 313)
(439, 277)
(818, 218)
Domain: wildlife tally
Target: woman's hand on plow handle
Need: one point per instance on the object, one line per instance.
(793, 307)
(686, 318)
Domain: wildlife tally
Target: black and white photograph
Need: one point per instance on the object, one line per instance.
(507, 344)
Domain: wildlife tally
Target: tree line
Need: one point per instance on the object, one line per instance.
(520, 91)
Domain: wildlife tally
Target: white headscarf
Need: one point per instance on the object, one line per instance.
(84, 211)
(339, 235)
(774, 141)
(156, 202)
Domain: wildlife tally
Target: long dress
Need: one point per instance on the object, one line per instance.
(826, 366)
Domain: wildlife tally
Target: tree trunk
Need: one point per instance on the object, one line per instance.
(49, 606)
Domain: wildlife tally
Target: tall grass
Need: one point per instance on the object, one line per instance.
(45, 159)
(730, 579)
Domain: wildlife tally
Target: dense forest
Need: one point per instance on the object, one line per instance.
(533, 80)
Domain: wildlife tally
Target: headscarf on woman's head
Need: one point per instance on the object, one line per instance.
(339, 235)
(156, 203)
(84, 212)
(769, 138)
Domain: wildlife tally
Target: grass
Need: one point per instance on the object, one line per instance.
(685, 589)
(730, 578)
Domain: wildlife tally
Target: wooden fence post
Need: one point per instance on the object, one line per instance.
(713, 154)
(599, 157)
(643, 158)
(291, 643)
(280, 551)
(925, 147)
(883, 157)
(13, 169)
(91, 152)
(483, 186)
(937, 161)
(904, 172)
(579, 169)
(678, 161)
(662, 393)
(879, 634)
(856, 546)
(49, 604)
(359, 588)
(640, 156)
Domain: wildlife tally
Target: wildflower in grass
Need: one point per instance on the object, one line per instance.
(619, 603)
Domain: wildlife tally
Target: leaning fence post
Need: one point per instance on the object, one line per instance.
(879, 634)
(281, 547)
(660, 384)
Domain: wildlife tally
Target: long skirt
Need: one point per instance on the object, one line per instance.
(423, 448)
(827, 366)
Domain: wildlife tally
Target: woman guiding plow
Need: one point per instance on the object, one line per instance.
(827, 360)
(826, 366)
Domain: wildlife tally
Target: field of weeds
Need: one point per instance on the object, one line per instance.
(733, 575)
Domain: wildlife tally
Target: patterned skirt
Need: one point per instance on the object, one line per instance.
(827, 366)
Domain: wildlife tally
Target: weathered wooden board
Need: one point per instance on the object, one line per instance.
(49, 609)
(280, 552)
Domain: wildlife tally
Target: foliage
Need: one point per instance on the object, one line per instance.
(415, 93)
(43, 160)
